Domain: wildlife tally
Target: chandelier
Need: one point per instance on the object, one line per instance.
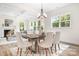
(42, 15)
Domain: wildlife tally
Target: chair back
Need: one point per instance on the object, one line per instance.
(49, 36)
(57, 37)
(18, 38)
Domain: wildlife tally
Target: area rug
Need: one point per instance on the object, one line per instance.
(71, 51)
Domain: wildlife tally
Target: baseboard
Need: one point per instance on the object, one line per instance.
(69, 43)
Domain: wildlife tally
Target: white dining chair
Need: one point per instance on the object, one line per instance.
(56, 41)
(47, 43)
(21, 44)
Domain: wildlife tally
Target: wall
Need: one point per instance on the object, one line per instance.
(70, 35)
(2, 24)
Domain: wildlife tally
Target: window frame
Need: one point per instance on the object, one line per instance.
(61, 21)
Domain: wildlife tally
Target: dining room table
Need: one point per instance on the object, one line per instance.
(35, 38)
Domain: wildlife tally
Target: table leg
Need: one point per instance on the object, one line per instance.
(36, 45)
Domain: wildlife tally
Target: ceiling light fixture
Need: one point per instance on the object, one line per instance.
(42, 15)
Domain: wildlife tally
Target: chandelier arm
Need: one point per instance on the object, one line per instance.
(42, 13)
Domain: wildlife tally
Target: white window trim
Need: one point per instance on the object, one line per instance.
(60, 21)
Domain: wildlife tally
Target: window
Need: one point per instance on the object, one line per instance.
(21, 26)
(55, 21)
(36, 25)
(33, 25)
(60, 21)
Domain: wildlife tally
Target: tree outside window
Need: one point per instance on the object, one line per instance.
(61, 21)
(21, 26)
(36, 25)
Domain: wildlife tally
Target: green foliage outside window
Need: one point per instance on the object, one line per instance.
(34, 25)
(62, 24)
(67, 24)
(62, 21)
(39, 24)
(21, 26)
(55, 23)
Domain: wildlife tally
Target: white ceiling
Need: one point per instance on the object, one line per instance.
(47, 6)
(37, 6)
(29, 8)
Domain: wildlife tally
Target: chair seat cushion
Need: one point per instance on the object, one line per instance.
(45, 44)
(25, 45)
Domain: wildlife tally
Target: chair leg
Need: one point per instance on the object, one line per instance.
(27, 51)
(51, 50)
(46, 49)
(59, 46)
(37, 49)
(20, 51)
(17, 51)
(30, 50)
(55, 48)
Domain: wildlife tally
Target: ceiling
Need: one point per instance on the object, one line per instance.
(48, 6)
(37, 6)
(29, 8)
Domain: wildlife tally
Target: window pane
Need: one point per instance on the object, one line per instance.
(62, 24)
(67, 17)
(55, 21)
(62, 18)
(34, 25)
(67, 24)
(55, 24)
(21, 26)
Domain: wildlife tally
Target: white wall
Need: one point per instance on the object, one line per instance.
(70, 35)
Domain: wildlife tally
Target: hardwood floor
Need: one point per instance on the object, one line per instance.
(65, 50)
(5, 51)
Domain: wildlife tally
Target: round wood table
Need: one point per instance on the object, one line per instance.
(36, 38)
